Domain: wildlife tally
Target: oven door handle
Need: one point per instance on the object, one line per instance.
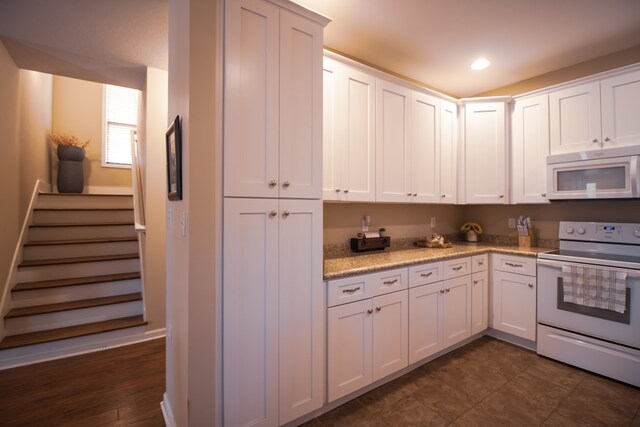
(550, 263)
(634, 274)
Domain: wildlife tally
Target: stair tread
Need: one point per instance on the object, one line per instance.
(46, 284)
(82, 209)
(72, 305)
(85, 194)
(39, 337)
(80, 241)
(76, 260)
(81, 224)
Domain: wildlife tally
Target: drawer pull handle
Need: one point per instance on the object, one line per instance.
(350, 291)
(369, 311)
(426, 274)
(511, 264)
(390, 282)
(378, 308)
(457, 268)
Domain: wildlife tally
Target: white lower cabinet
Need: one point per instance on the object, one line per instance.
(514, 296)
(273, 329)
(479, 293)
(456, 310)
(425, 321)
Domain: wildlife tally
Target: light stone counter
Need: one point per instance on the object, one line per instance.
(368, 263)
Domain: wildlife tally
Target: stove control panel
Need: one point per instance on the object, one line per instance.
(600, 232)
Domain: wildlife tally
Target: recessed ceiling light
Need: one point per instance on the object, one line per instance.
(480, 64)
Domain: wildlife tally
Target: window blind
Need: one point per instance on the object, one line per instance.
(121, 116)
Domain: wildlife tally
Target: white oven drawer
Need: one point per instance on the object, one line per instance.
(514, 264)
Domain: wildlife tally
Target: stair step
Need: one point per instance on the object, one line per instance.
(77, 260)
(80, 241)
(84, 215)
(72, 305)
(39, 337)
(97, 201)
(82, 224)
(76, 281)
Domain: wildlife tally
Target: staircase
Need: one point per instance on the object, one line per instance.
(79, 274)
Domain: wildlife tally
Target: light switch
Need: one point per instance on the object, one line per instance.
(512, 223)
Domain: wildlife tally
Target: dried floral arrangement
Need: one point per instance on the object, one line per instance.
(62, 138)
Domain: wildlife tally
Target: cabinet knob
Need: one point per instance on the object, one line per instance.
(448, 290)
(443, 196)
(286, 184)
(286, 213)
(502, 196)
(346, 191)
(544, 194)
(594, 140)
(273, 213)
(531, 285)
(475, 282)
(273, 183)
(378, 308)
(606, 139)
(415, 194)
(337, 190)
(409, 194)
(442, 291)
(369, 311)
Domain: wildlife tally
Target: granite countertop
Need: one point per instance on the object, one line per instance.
(368, 263)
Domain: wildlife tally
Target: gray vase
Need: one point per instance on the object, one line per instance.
(70, 171)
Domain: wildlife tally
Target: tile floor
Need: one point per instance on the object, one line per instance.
(492, 383)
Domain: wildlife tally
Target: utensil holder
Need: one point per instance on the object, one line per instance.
(528, 241)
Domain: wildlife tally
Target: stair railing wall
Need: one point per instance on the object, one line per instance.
(5, 302)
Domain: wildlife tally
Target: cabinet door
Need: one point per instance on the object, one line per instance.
(392, 142)
(620, 107)
(349, 332)
(332, 149)
(448, 152)
(357, 101)
(485, 152)
(390, 334)
(514, 304)
(479, 302)
(425, 148)
(425, 321)
(301, 308)
(251, 99)
(250, 312)
(300, 107)
(530, 144)
(456, 324)
(574, 118)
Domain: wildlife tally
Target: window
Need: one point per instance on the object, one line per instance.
(121, 117)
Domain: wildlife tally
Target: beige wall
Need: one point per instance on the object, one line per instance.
(583, 69)
(9, 163)
(77, 109)
(35, 119)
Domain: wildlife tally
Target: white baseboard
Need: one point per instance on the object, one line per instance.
(167, 413)
(13, 358)
(512, 339)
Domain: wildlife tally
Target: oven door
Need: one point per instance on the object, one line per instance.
(598, 323)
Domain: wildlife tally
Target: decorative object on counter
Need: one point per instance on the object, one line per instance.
(471, 232)
(70, 151)
(364, 244)
(382, 232)
(436, 241)
(366, 222)
(526, 233)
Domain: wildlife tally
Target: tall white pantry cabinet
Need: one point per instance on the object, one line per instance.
(273, 310)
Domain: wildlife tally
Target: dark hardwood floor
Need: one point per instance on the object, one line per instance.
(118, 387)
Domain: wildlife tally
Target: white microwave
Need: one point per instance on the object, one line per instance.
(593, 178)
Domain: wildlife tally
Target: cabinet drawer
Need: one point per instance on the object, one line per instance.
(389, 281)
(514, 264)
(349, 289)
(479, 263)
(425, 273)
(457, 267)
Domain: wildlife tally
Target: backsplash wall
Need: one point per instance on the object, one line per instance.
(343, 220)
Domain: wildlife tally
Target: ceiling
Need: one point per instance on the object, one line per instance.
(430, 41)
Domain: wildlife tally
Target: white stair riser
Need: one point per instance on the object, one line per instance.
(80, 232)
(62, 319)
(83, 269)
(40, 252)
(74, 293)
(92, 216)
(46, 201)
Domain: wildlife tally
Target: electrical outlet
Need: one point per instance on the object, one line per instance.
(433, 222)
(512, 223)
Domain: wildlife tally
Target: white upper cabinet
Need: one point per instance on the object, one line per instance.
(349, 133)
(273, 102)
(425, 148)
(392, 142)
(530, 148)
(448, 152)
(621, 110)
(596, 115)
(485, 137)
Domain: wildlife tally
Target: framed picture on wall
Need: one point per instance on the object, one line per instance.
(174, 160)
